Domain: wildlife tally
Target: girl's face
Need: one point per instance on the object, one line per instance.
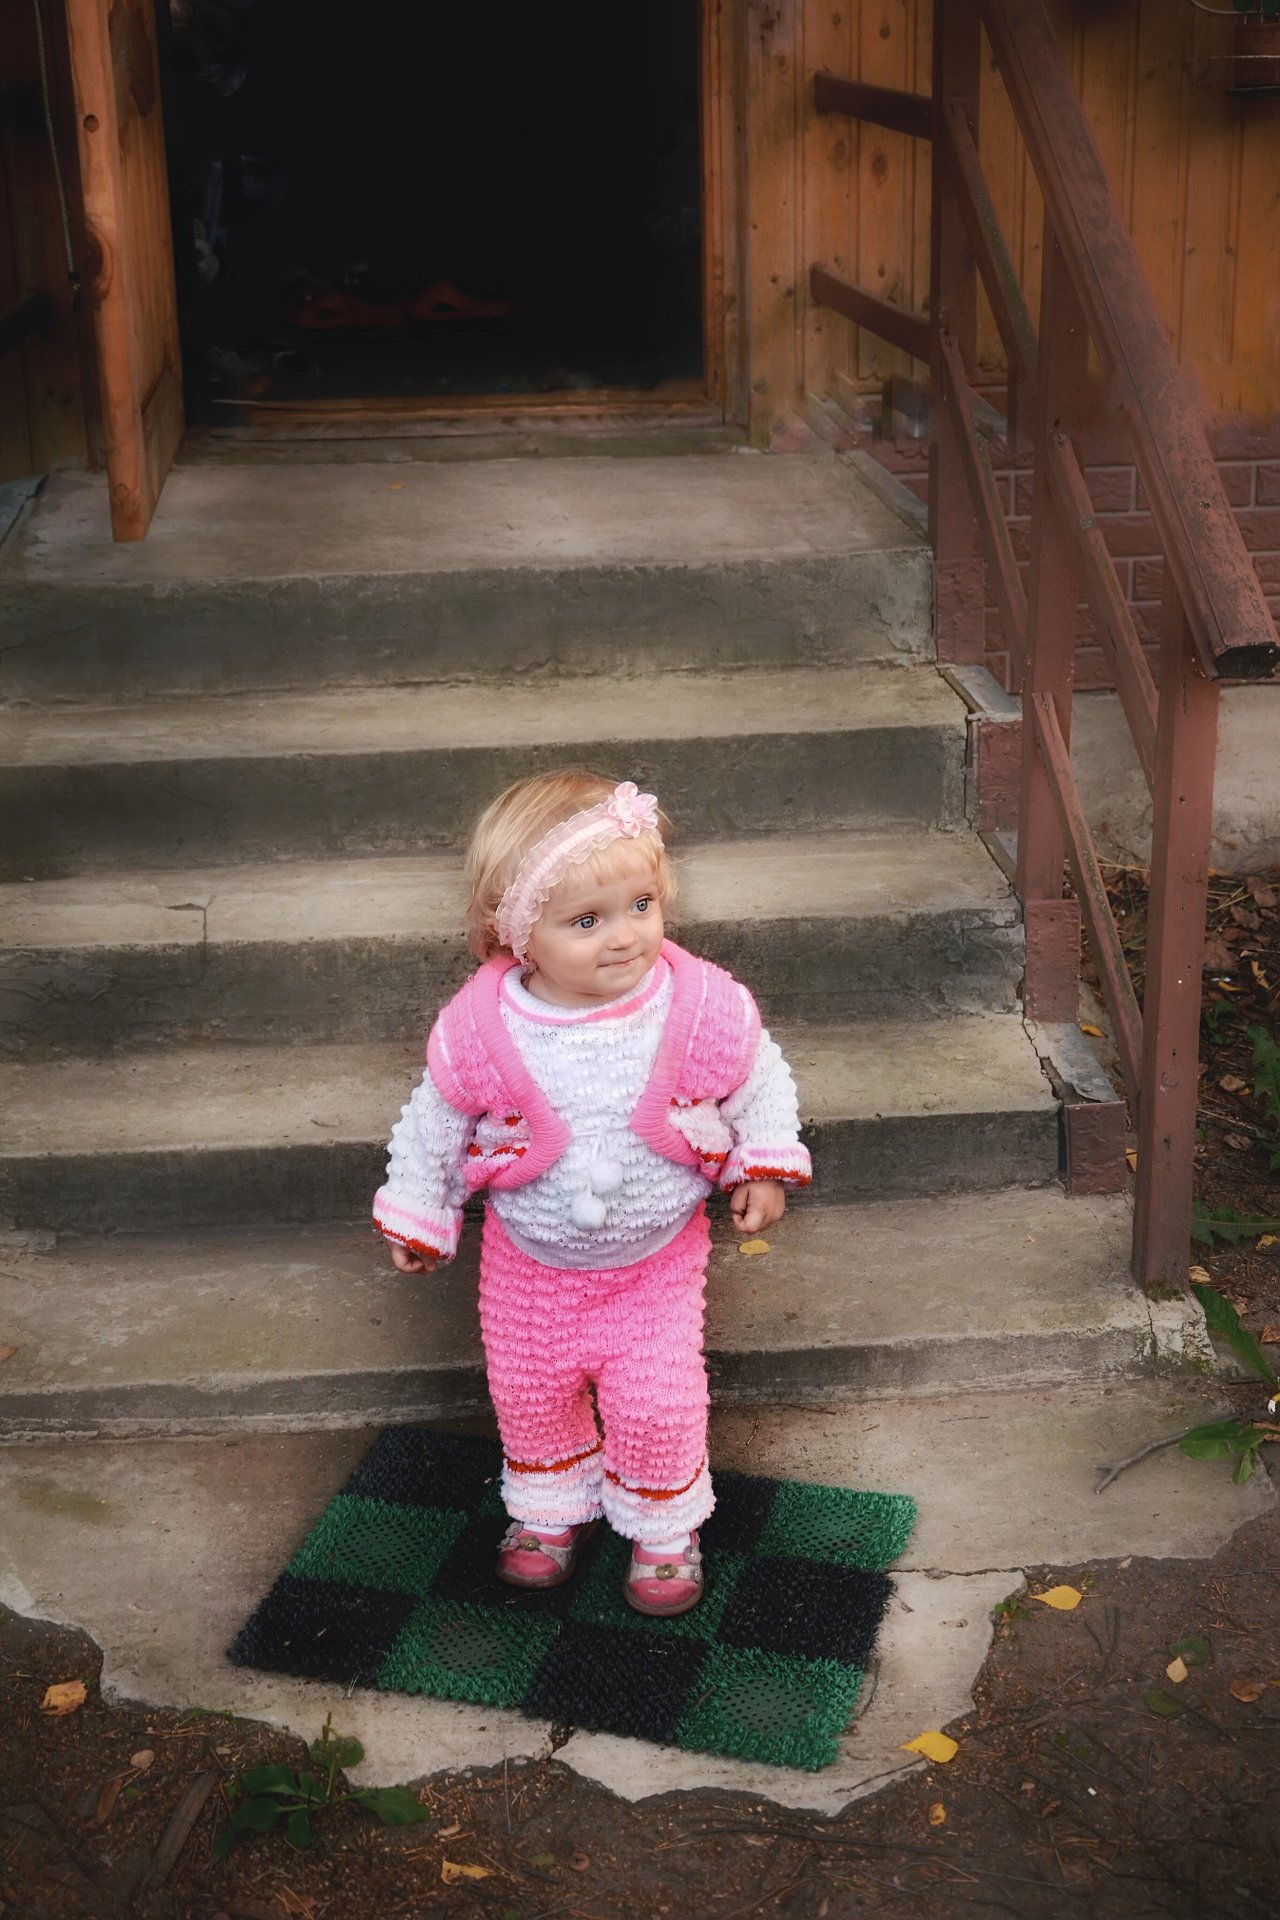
(595, 940)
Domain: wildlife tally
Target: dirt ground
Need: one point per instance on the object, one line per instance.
(1068, 1795)
(1237, 1137)
(1086, 1781)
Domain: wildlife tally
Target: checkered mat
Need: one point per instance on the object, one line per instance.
(394, 1588)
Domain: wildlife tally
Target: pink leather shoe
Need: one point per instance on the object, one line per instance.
(658, 1585)
(529, 1557)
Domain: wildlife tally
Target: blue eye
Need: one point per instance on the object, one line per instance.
(642, 904)
(586, 922)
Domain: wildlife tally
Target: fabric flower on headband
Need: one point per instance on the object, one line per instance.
(635, 812)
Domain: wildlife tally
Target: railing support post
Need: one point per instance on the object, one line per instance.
(1186, 749)
(1052, 988)
(959, 574)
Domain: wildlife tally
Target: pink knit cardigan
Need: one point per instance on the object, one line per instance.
(707, 1050)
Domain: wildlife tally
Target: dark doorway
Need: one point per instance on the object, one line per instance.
(380, 198)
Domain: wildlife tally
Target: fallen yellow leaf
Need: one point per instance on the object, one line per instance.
(1270, 1336)
(937, 1814)
(1061, 1599)
(1094, 1032)
(1131, 1155)
(1200, 1277)
(934, 1746)
(753, 1246)
(1267, 1240)
(451, 1871)
(1247, 1690)
(64, 1697)
(1176, 1670)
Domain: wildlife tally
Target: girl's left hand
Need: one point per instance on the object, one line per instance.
(757, 1204)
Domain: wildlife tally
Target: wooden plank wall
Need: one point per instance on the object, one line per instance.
(1196, 170)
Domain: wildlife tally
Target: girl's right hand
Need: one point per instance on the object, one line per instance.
(406, 1261)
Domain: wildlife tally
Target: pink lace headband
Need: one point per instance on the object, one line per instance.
(625, 816)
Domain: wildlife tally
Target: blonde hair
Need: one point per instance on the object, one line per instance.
(517, 820)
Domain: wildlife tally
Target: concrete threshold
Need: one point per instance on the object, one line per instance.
(235, 1331)
(235, 523)
(160, 1549)
(326, 575)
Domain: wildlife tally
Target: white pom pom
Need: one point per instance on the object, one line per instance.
(588, 1211)
(605, 1175)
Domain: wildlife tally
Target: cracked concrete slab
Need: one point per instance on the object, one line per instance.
(160, 1549)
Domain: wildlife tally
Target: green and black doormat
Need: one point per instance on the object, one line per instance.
(394, 1588)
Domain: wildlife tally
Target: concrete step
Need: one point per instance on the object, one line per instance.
(384, 770)
(832, 926)
(160, 1549)
(225, 1135)
(254, 576)
(225, 1331)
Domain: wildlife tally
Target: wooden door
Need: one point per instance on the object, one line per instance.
(116, 75)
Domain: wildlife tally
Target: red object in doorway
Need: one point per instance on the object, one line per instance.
(443, 301)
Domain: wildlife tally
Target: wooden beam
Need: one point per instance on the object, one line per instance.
(906, 330)
(1106, 598)
(988, 508)
(1182, 828)
(991, 255)
(1050, 992)
(885, 106)
(959, 579)
(1091, 889)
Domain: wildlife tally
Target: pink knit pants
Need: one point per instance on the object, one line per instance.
(634, 1333)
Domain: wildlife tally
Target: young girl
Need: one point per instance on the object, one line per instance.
(600, 1082)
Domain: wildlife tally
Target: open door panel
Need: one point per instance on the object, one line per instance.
(126, 201)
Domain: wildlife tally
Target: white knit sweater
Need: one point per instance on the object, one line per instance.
(610, 1198)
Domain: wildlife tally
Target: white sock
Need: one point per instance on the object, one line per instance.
(675, 1549)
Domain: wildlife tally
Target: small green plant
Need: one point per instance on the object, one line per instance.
(292, 1797)
(1224, 1223)
(1215, 1014)
(1224, 1439)
(1005, 1612)
(1218, 1439)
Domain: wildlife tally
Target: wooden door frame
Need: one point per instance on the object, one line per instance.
(116, 83)
(721, 82)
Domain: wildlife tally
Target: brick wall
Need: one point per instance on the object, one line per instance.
(1248, 455)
